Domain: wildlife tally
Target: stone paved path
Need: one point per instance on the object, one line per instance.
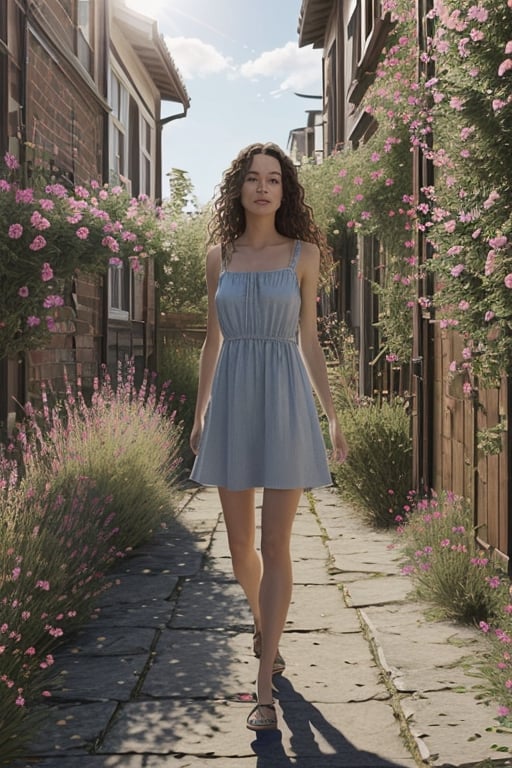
(163, 678)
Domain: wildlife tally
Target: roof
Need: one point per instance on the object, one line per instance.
(313, 18)
(149, 45)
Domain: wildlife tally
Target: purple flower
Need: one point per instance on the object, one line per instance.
(15, 231)
(33, 321)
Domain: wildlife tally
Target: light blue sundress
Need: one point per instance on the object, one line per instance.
(261, 426)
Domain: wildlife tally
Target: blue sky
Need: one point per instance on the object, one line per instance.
(241, 65)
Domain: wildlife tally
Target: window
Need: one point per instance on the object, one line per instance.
(145, 157)
(119, 292)
(84, 33)
(118, 128)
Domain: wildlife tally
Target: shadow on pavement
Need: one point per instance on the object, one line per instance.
(307, 726)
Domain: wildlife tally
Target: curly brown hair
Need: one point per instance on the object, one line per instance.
(294, 218)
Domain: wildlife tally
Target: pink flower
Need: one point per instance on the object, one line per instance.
(456, 103)
(110, 243)
(508, 280)
(46, 272)
(37, 243)
(375, 157)
(33, 321)
(358, 180)
(53, 301)
(490, 263)
(38, 221)
(498, 242)
(82, 233)
(505, 66)
(488, 315)
(463, 305)
(493, 196)
(46, 205)
(23, 292)
(15, 231)
(498, 104)
(45, 585)
(450, 226)
(115, 261)
(466, 353)
(341, 208)
(335, 190)
(484, 626)
(11, 162)
(343, 173)
(457, 270)
(478, 13)
(389, 182)
(24, 195)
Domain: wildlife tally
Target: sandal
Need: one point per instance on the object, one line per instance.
(279, 663)
(256, 721)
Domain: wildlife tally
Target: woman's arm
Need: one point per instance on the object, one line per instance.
(314, 358)
(210, 348)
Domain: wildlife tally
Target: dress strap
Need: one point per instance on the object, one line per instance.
(295, 255)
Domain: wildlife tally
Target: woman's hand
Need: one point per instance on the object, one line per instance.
(195, 438)
(338, 442)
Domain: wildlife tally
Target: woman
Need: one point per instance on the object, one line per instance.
(256, 424)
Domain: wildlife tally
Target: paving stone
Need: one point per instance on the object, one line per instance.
(454, 728)
(314, 607)
(90, 678)
(351, 732)
(208, 604)
(201, 664)
(72, 729)
(146, 613)
(109, 641)
(378, 590)
(139, 588)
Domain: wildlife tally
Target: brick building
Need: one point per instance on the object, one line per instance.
(81, 84)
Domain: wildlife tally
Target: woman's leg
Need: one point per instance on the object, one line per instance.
(278, 513)
(239, 514)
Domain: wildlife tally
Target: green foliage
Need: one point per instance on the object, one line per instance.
(179, 364)
(182, 276)
(446, 565)
(377, 473)
(90, 483)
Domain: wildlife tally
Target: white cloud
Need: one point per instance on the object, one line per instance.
(296, 68)
(195, 58)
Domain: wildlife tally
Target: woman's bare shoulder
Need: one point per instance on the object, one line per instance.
(214, 258)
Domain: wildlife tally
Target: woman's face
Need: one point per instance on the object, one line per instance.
(262, 188)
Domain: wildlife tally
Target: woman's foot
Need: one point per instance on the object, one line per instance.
(262, 718)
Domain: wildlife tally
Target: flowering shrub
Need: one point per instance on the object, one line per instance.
(496, 669)
(47, 233)
(377, 473)
(68, 510)
(446, 565)
(469, 218)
